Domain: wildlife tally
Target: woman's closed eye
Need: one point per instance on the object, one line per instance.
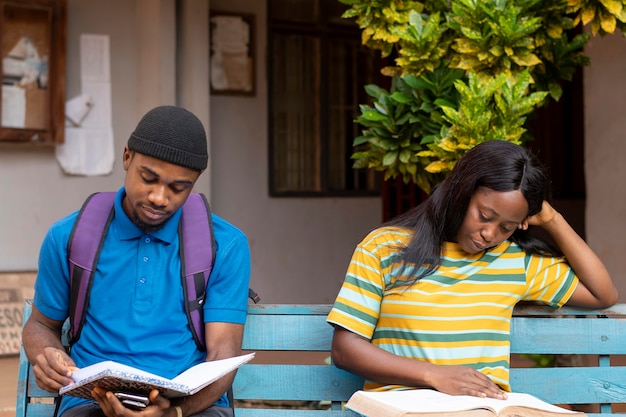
(508, 229)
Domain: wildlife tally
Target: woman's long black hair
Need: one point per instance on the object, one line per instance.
(497, 165)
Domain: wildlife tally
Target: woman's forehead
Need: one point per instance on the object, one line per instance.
(506, 205)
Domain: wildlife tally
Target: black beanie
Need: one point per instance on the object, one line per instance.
(171, 134)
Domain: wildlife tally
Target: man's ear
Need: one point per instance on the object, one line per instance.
(523, 225)
(127, 157)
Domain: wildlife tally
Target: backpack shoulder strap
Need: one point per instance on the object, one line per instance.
(197, 254)
(83, 251)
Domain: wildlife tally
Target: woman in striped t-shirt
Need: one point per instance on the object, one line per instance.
(428, 298)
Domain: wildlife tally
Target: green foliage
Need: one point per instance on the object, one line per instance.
(424, 46)
(507, 57)
(604, 16)
(541, 360)
(403, 122)
(494, 37)
(378, 18)
(489, 109)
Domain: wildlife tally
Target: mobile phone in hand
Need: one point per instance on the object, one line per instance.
(133, 401)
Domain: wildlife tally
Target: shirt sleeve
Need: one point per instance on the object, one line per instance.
(357, 306)
(227, 290)
(53, 282)
(550, 280)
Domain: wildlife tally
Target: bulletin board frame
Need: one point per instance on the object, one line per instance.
(33, 52)
(232, 53)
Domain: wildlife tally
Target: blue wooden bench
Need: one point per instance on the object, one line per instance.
(599, 335)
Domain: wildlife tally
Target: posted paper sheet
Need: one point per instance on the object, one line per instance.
(88, 147)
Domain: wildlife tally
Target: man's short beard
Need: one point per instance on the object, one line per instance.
(145, 227)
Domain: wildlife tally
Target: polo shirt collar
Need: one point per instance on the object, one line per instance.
(127, 230)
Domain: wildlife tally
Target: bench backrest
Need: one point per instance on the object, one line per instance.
(303, 328)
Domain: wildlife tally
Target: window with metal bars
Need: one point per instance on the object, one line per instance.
(317, 73)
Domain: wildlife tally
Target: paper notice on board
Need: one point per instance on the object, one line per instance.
(77, 108)
(99, 115)
(86, 151)
(94, 58)
(13, 106)
(88, 147)
(231, 65)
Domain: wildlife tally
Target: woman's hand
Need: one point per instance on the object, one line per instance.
(596, 288)
(463, 380)
(357, 355)
(544, 217)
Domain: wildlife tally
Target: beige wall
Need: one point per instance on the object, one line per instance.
(605, 152)
(300, 247)
(35, 189)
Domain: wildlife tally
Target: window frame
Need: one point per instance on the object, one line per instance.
(324, 32)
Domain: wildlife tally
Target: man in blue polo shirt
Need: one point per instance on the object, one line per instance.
(136, 312)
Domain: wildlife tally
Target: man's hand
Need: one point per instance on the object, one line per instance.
(112, 407)
(53, 369)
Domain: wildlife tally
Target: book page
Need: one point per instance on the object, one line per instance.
(430, 402)
(516, 399)
(410, 402)
(97, 368)
(204, 373)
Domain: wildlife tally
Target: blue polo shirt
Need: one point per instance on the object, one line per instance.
(136, 312)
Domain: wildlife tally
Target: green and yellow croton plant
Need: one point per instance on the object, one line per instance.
(464, 72)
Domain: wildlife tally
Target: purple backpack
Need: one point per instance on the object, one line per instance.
(197, 254)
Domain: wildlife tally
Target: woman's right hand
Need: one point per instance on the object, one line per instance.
(463, 380)
(357, 355)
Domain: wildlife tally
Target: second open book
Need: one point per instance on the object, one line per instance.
(431, 403)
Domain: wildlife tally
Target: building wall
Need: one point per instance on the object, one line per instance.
(605, 152)
(35, 189)
(300, 247)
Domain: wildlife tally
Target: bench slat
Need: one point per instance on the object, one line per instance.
(574, 336)
(33, 389)
(287, 332)
(530, 309)
(604, 415)
(39, 410)
(290, 309)
(572, 385)
(294, 382)
(257, 412)
(22, 378)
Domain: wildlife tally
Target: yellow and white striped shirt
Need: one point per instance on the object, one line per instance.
(459, 315)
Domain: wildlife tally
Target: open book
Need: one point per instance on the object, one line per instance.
(117, 377)
(431, 403)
